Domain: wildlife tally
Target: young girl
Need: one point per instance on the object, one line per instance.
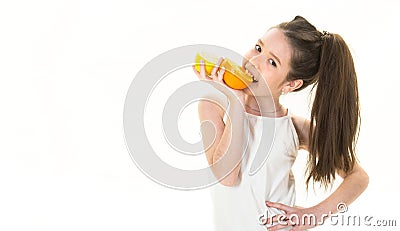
(289, 57)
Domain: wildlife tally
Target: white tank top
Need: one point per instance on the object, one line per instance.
(239, 207)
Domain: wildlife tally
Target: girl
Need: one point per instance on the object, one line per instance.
(289, 57)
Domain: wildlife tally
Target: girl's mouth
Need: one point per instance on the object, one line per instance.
(250, 73)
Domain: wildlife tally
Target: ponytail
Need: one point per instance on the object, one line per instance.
(324, 61)
(335, 113)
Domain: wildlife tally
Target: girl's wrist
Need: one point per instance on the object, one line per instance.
(321, 212)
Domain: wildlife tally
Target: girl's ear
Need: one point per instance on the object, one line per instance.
(292, 85)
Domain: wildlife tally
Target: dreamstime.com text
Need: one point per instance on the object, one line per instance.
(337, 219)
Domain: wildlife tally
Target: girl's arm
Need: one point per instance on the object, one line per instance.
(223, 143)
(228, 140)
(354, 183)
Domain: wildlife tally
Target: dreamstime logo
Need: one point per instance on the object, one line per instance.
(138, 144)
(337, 219)
(342, 207)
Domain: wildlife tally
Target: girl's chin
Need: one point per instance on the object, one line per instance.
(253, 93)
(248, 91)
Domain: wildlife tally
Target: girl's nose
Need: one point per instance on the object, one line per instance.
(256, 60)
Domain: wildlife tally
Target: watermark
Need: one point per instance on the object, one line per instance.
(334, 219)
(137, 141)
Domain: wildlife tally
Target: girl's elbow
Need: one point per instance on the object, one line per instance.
(365, 179)
(362, 178)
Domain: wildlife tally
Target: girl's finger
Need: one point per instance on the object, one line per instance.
(220, 76)
(216, 67)
(277, 219)
(202, 69)
(279, 206)
(195, 70)
(197, 73)
(277, 227)
(272, 220)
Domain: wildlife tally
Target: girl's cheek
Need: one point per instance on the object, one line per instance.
(246, 57)
(250, 54)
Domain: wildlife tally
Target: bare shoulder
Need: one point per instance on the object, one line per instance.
(209, 110)
(211, 107)
(302, 126)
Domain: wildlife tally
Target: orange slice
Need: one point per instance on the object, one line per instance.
(235, 76)
(210, 61)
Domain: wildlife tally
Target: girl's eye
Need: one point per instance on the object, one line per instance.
(258, 48)
(272, 62)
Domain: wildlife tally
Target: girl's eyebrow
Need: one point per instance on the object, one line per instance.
(276, 57)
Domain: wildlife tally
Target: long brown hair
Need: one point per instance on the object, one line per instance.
(324, 59)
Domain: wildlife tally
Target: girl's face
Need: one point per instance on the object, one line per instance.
(268, 61)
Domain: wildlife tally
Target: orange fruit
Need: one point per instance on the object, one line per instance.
(235, 76)
(210, 61)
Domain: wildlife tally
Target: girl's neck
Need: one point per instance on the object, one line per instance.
(264, 106)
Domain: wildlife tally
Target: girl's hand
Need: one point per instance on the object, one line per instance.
(216, 79)
(296, 217)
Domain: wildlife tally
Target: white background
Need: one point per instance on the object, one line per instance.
(65, 68)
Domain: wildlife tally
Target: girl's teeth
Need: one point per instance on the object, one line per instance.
(248, 72)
